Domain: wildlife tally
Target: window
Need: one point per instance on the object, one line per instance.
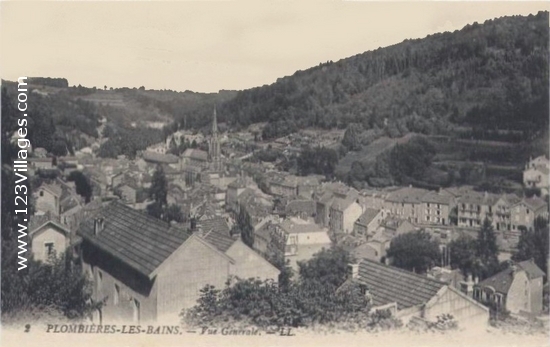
(49, 248)
(117, 295)
(41, 193)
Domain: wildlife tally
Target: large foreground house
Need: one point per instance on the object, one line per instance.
(517, 289)
(147, 270)
(413, 297)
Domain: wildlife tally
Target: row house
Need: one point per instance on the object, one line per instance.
(406, 203)
(436, 208)
(474, 207)
(501, 212)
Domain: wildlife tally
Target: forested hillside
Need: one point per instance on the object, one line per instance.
(479, 81)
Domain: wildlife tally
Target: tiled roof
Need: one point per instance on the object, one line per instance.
(53, 188)
(534, 203)
(478, 198)
(217, 224)
(436, 198)
(222, 241)
(365, 251)
(502, 281)
(367, 216)
(297, 206)
(407, 195)
(292, 227)
(342, 204)
(389, 284)
(195, 154)
(135, 238)
(160, 158)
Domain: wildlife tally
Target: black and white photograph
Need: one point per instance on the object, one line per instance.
(274, 173)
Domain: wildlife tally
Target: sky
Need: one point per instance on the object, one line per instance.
(207, 46)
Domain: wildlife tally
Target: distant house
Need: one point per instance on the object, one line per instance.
(414, 298)
(128, 193)
(344, 211)
(284, 186)
(303, 209)
(367, 224)
(148, 270)
(524, 212)
(536, 174)
(159, 158)
(38, 163)
(47, 239)
(47, 198)
(366, 251)
(195, 157)
(293, 233)
(517, 289)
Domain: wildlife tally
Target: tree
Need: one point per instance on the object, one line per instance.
(58, 284)
(155, 209)
(352, 140)
(159, 187)
(82, 183)
(414, 251)
(463, 253)
(173, 213)
(534, 244)
(328, 266)
(243, 226)
(486, 250)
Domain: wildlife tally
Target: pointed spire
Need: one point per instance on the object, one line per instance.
(215, 123)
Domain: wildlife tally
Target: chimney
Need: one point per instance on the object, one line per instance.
(99, 224)
(353, 270)
(467, 287)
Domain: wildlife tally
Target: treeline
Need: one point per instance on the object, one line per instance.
(48, 81)
(404, 164)
(486, 76)
(53, 123)
(128, 141)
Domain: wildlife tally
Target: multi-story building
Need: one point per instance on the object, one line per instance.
(525, 212)
(474, 207)
(536, 174)
(344, 211)
(406, 203)
(436, 208)
(501, 212)
(518, 288)
(367, 224)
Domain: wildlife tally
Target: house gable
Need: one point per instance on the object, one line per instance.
(249, 264)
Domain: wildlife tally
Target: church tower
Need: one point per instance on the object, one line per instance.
(214, 150)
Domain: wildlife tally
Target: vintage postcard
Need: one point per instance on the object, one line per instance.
(274, 173)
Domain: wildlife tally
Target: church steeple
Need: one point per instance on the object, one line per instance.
(215, 123)
(214, 151)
